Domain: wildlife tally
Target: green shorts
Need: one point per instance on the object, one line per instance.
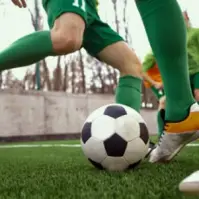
(194, 80)
(157, 93)
(97, 35)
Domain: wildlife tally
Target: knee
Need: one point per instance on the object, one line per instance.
(196, 95)
(133, 68)
(65, 42)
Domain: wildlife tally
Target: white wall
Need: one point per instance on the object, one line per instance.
(37, 113)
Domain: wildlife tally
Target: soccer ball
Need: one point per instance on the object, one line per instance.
(115, 137)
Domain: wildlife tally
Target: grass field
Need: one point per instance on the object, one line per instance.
(63, 172)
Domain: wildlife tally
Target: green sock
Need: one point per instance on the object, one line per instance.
(27, 50)
(165, 27)
(160, 121)
(129, 92)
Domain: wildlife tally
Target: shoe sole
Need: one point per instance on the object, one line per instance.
(167, 159)
(189, 187)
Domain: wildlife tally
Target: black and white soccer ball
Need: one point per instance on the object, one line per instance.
(115, 137)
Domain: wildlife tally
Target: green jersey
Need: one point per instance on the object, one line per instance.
(93, 3)
(192, 49)
(149, 62)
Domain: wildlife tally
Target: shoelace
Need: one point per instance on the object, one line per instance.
(162, 135)
(161, 138)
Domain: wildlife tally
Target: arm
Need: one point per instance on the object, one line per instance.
(147, 78)
(20, 3)
(148, 63)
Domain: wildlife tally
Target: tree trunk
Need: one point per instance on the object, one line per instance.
(73, 78)
(65, 80)
(116, 17)
(117, 29)
(1, 80)
(102, 80)
(82, 73)
(38, 25)
(125, 21)
(46, 75)
(57, 76)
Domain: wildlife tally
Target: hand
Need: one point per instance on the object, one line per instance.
(20, 3)
(158, 85)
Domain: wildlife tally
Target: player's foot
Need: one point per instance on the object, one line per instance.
(176, 136)
(190, 184)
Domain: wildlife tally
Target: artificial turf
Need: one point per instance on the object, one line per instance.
(61, 172)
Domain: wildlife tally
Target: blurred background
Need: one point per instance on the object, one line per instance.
(77, 72)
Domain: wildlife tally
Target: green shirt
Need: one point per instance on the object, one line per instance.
(192, 49)
(93, 3)
(149, 62)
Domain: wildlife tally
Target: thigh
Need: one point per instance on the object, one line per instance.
(98, 35)
(102, 42)
(55, 8)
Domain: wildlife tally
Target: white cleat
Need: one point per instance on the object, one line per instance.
(190, 184)
(195, 137)
(176, 136)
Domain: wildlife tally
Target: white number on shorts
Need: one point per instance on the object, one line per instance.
(76, 3)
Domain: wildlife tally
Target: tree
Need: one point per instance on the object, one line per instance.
(46, 75)
(116, 16)
(82, 67)
(38, 25)
(65, 79)
(125, 21)
(29, 80)
(57, 76)
(118, 30)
